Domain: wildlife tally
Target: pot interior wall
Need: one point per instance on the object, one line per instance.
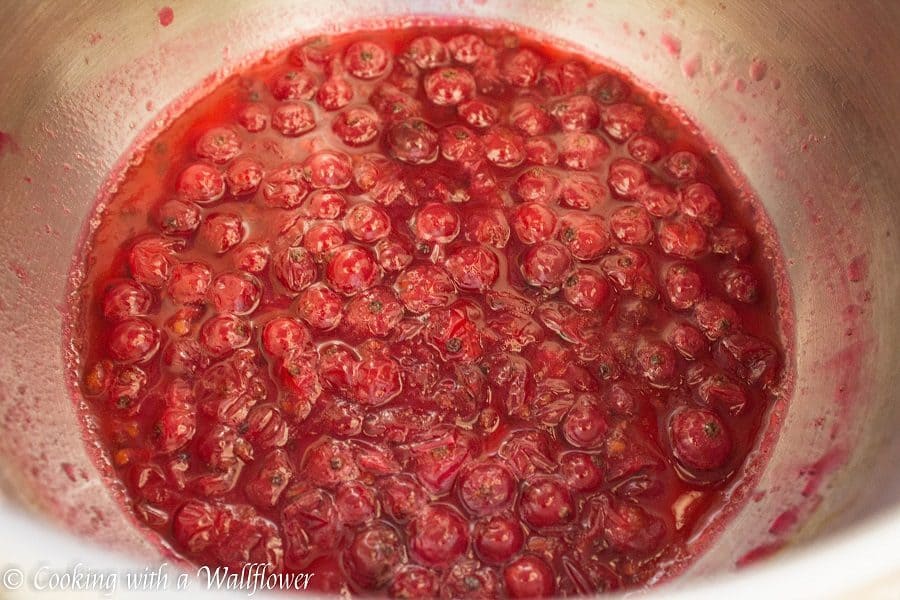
(805, 101)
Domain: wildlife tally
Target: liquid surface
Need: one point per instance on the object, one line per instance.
(432, 312)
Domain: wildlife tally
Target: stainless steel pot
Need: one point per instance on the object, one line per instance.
(804, 96)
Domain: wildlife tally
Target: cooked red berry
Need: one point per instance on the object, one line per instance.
(658, 199)
(586, 236)
(576, 113)
(541, 151)
(656, 361)
(486, 488)
(414, 583)
(326, 204)
(645, 148)
(699, 201)
(295, 269)
(716, 318)
(376, 381)
(581, 471)
(285, 187)
(243, 176)
(582, 191)
(465, 47)
(150, 261)
(629, 528)
(133, 340)
(323, 237)
(449, 86)
(699, 439)
(586, 289)
(235, 292)
(503, 148)
(271, 479)
(436, 223)
(582, 151)
(356, 504)
(487, 226)
(533, 223)
(393, 104)
(683, 285)
(522, 67)
(740, 284)
(201, 183)
(357, 126)
(294, 85)
(683, 165)
(438, 536)
(328, 169)
(282, 334)
(402, 497)
(413, 141)
(585, 425)
(219, 145)
(126, 298)
(621, 121)
(546, 502)
(473, 267)
(178, 217)
(687, 340)
(627, 178)
(366, 60)
(545, 265)
(394, 254)
(320, 307)
(367, 222)
(351, 269)
(530, 118)
(567, 77)
(334, 93)
(252, 257)
(631, 225)
(529, 577)
(497, 539)
(220, 232)
(293, 119)
(253, 117)
(684, 238)
(478, 113)
(374, 312)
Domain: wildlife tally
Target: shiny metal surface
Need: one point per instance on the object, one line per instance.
(804, 96)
